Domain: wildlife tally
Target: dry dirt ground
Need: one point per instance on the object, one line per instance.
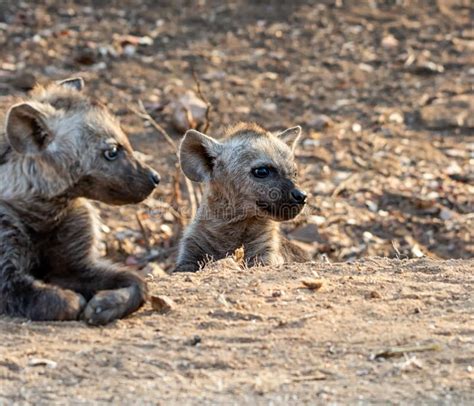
(259, 336)
(384, 91)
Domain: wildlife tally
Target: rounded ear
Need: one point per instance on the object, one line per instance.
(73, 83)
(291, 136)
(26, 129)
(197, 154)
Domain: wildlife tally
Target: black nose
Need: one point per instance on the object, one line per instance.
(298, 196)
(155, 178)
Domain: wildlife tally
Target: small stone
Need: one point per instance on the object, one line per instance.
(320, 122)
(389, 41)
(396, 118)
(446, 214)
(162, 304)
(189, 111)
(196, 340)
(277, 293)
(312, 284)
(270, 107)
(166, 229)
(374, 295)
(356, 127)
(168, 217)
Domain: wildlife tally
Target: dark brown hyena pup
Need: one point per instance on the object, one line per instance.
(250, 186)
(60, 147)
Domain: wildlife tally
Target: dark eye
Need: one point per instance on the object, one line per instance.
(261, 172)
(111, 154)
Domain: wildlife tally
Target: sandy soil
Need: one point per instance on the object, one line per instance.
(259, 336)
(383, 90)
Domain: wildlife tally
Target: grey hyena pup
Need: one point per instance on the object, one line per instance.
(58, 149)
(250, 186)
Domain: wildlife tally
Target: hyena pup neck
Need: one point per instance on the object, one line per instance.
(250, 186)
(219, 216)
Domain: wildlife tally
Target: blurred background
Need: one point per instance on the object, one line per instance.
(383, 89)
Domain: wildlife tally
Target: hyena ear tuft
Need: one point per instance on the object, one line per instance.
(291, 136)
(26, 129)
(73, 83)
(197, 154)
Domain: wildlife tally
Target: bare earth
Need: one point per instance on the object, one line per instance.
(258, 336)
(384, 91)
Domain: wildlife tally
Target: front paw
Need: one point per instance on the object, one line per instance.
(57, 305)
(108, 305)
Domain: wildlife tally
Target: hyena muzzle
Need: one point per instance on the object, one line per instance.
(60, 148)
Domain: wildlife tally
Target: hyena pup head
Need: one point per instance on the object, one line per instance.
(253, 169)
(69, 145)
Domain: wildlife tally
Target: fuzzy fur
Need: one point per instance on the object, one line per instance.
(229, 216)
(51, 159)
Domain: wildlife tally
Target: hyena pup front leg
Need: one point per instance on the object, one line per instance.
(20, 294)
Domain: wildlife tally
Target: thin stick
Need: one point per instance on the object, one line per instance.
(144, 232)
(207, 123)
(142, 113)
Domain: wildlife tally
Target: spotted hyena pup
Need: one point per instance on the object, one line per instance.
(250, 186)
(58, 149)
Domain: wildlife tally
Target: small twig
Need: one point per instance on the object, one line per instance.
(192, 196)
(168, 207)
(320, 377)
(144, 232)
(399, 351)
(146, 116)
(189, 117)
(142, 113)
(207, 123)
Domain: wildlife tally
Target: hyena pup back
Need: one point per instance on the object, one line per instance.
(58, 149)
(249, 178)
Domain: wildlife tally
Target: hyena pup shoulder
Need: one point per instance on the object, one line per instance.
(249, 180)
(58, 149)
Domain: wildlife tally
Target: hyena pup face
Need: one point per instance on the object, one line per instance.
(254, 167)
(250, 186)
(79, 145)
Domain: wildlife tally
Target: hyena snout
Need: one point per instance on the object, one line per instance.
(154, 178)
(142, 181)
(298, 196)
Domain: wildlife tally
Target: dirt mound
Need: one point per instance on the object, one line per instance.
(380, 331)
